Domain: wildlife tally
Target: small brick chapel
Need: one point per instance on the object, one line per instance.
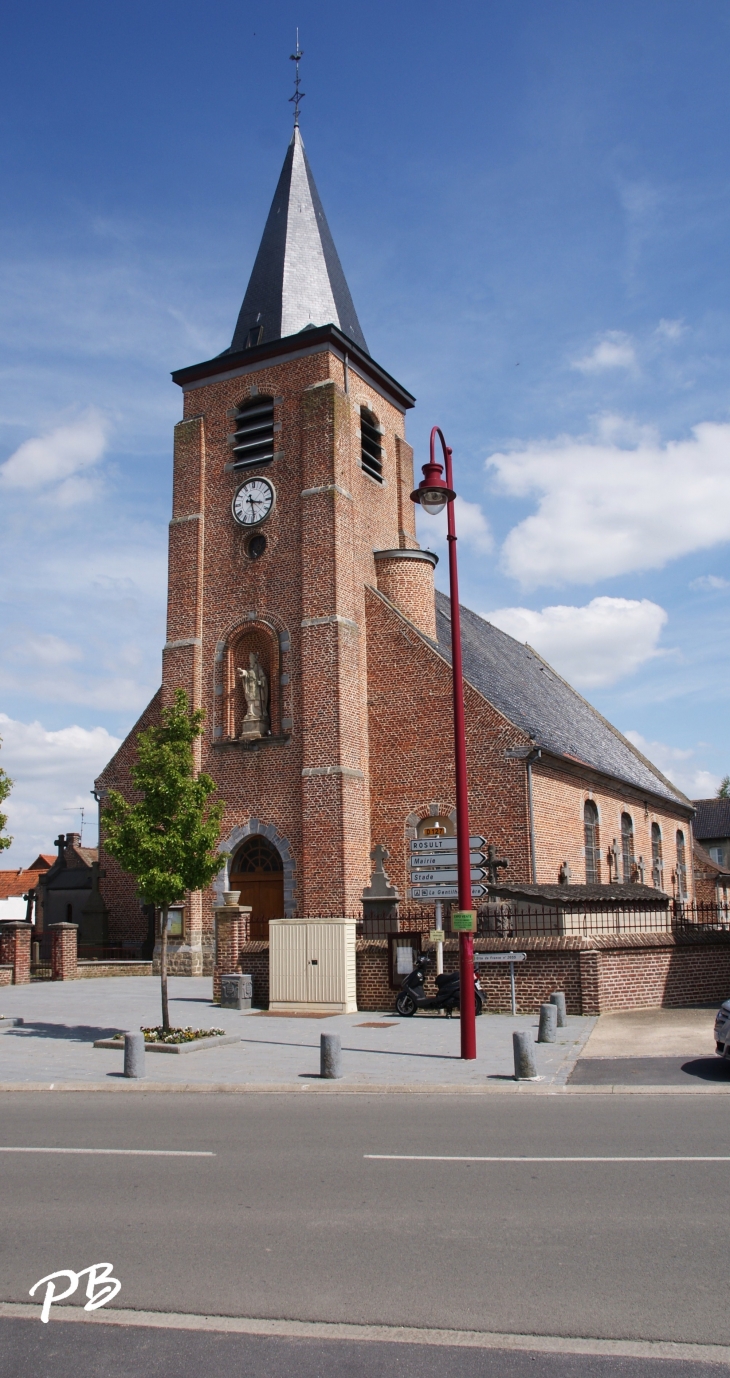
(302, 616)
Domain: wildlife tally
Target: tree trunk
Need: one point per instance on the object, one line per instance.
(163, 967)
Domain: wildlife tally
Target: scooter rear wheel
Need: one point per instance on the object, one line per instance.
(478, 1002)
(405, 1004)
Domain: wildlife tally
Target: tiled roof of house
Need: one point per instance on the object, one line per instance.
(712, 819)
(14, 883)
(533, 696)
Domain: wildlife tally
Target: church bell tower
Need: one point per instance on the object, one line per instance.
(291, 488)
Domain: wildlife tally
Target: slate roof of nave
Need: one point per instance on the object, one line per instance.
(533, 696)
(297, 279)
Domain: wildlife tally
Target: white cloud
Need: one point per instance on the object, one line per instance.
(46, 649)
(670, 330)
(593, 645)
(53, 773)
(709, 582)
(605, 510)
(615, 350)
(57, 459)
(472, 527)
(679, 766)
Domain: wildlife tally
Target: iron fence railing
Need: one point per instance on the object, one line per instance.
(514, 919)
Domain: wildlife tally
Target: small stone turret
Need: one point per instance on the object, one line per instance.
(406, 578)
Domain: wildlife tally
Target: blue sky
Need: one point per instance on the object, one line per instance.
(531, 203)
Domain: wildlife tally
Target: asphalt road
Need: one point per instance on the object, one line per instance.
(648, 1071)
(290, 1220)
(28, 1350)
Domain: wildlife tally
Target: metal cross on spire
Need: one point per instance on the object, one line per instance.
(298, 96)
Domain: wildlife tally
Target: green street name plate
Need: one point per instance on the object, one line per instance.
(464, 921)
(436, 935)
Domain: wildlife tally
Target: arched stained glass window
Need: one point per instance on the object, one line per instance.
(590, 832)
(657, 864)
(627, 847)
(681, 866)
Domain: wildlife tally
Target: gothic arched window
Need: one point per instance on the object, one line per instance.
(590, 832)
(657, 865)
(253, 436)
(371, 443)
(681, 866)
(627, 846)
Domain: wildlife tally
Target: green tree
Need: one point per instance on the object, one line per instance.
(724, 790)
(167, 839)
(6, 785)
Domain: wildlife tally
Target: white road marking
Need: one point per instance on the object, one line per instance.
(520, 1158)
(128, 1152)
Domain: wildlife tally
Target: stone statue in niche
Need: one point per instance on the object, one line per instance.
(256, 692)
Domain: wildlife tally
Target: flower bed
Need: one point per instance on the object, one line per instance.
(187, 1035)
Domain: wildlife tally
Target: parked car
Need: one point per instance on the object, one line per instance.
(722, 1029)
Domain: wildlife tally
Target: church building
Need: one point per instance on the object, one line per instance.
(302, 616)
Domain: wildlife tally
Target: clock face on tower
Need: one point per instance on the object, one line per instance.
(253, 502)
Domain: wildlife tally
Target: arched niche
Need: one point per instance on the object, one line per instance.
(260, 641)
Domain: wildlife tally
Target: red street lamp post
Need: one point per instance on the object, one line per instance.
(434, 493)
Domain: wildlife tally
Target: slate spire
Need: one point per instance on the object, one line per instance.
(297, 279)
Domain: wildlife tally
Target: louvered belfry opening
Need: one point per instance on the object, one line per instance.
(253, 441)
(372, 445)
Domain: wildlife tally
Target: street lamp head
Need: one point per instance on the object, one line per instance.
(432, 492)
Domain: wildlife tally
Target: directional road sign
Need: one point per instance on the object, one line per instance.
(442, 877)
(442, 892)
(442, 844)
(444, 859)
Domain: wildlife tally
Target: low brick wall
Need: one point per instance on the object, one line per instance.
(253, 960)
(626, 972)
(91, 970)
(6, 976)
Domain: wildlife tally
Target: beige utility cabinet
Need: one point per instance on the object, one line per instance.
(312, 965)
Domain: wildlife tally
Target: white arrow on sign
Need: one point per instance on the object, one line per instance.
(445, 859)
(500, 956)
(442, 844)
(442, 877)
(442, 892)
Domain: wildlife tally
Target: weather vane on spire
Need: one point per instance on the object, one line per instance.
(298, 96)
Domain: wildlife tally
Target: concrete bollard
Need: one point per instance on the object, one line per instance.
(525, 1069)
(330, 1056)
(134, 1055)
(548, 1024)
(558, 1000)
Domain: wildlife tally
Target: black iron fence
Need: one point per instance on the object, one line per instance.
(514, 920)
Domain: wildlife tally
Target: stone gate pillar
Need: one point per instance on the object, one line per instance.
(64, 951)
(15, 950)
(232, 925)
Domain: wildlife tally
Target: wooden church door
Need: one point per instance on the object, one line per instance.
(256, 870)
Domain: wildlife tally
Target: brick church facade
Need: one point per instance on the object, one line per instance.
(293, 558)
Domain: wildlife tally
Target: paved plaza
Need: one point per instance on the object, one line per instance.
(62, 1020)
